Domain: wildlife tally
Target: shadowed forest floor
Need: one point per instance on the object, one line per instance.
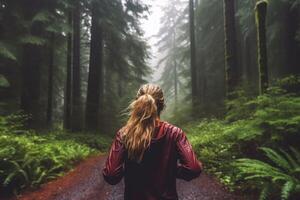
(85, 182)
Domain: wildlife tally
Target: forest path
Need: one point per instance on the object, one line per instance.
(85, 182)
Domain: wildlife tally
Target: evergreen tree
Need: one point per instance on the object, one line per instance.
(68, 87)
(96, 79)
(76, 117)
(231, 68)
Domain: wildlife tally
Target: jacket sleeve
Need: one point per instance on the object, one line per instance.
(188, 167)
(113, 170)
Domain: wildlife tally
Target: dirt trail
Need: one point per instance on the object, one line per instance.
(85, 182)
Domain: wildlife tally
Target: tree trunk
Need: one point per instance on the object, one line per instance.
(231, 70)
(32, 60)
(30, 97)
(261, 12)
(193, 52)
(68, 90)
(76, 90)
(95, 80)
(292, 45)
(50, 81)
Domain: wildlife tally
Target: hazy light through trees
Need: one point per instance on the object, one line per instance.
(151, 26)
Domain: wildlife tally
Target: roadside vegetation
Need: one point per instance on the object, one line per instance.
(256, 146)
(29, 158)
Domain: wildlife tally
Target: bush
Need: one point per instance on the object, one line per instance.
(28, 159)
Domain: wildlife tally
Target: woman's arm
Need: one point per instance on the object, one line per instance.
(113, 171)
(189, 167)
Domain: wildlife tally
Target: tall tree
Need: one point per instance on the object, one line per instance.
(76, 82)
(95, 79)
(50, 80)
(231, 68)
(68, 88)
(193, 51)
(261, 12)
(32, 60)
(199, 59)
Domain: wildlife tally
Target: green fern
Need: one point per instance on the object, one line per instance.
(280, 174)
(277, 159)
(17, 172)
(28, 159)
(287, 189)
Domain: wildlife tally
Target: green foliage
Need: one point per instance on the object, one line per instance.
(31, 39)
(290, 84)
(6, 53)
(3, 81)
(239, 107)
(42, 16)
(270, 120)
(210, 140)
(280, 175)
(28, 159)
(92, 140)
(274, 116)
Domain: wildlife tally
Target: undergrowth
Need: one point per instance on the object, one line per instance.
(271, 120)
(28, 159)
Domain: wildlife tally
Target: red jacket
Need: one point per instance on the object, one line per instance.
(169, 156)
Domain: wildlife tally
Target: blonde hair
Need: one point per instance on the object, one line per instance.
(139, 129)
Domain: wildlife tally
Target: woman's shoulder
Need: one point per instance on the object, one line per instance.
(172, 129)
(120, 133)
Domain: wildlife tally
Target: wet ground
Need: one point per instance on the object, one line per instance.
(85, 182)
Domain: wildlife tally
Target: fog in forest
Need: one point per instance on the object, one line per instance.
(229, 70)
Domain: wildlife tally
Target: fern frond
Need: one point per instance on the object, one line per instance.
(19, 170)
(293, 163)
(285, 171)
(296, 153)
(40, 176)
(287, 189)
(10, 178)
(278, 159)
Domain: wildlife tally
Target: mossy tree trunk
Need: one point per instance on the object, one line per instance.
(231, 68)
(260, 14)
